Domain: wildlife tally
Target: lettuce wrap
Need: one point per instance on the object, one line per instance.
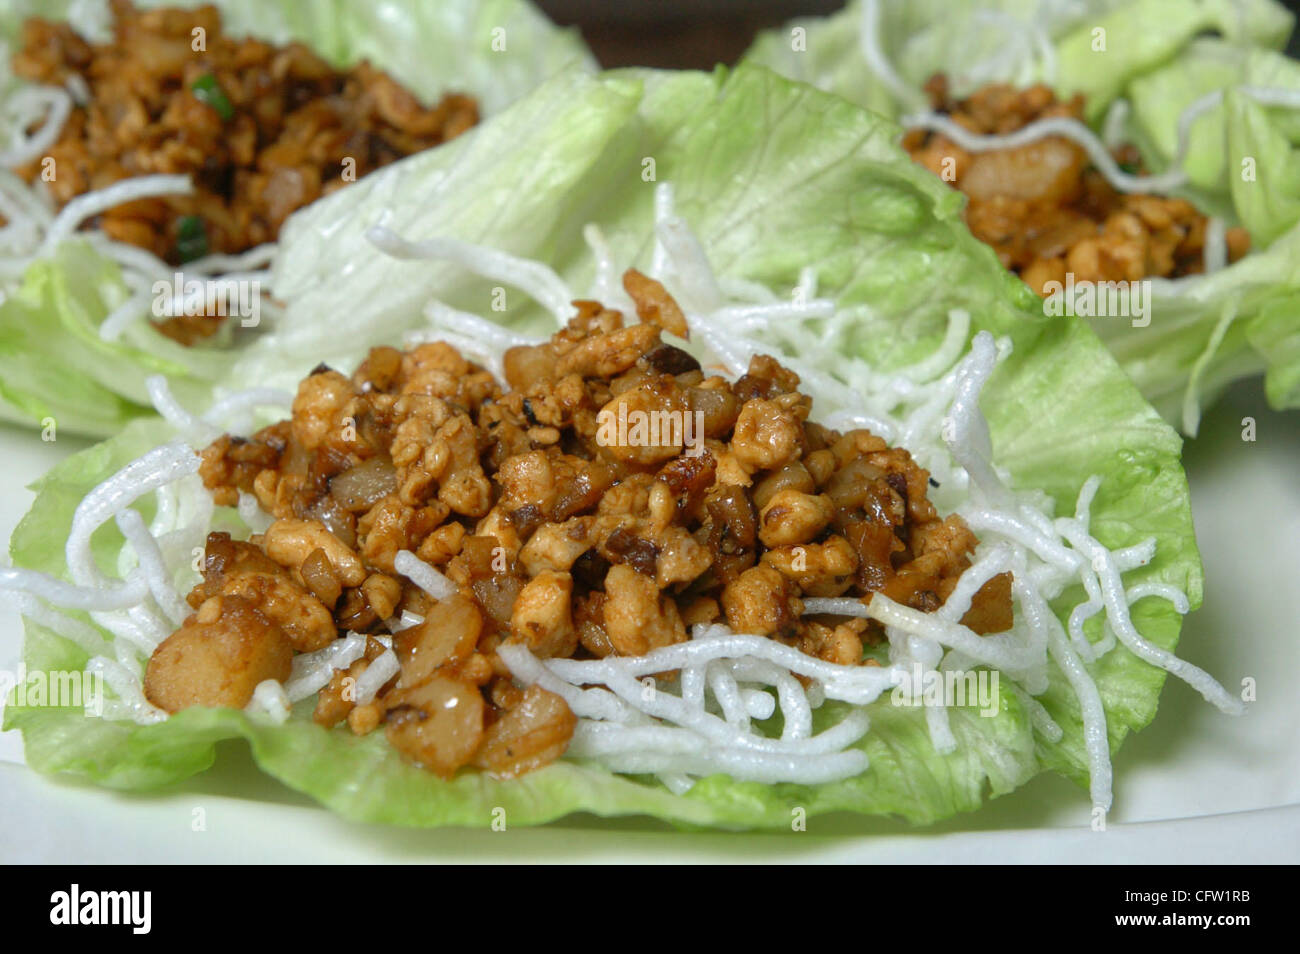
(53, 362)
(1144, 68)
(781, 185)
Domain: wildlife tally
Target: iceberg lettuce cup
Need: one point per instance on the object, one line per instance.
(1144, 146)
(150, 154)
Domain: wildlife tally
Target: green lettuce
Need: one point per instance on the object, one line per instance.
(1157, 55)
(1098, 46)
(53, 365)
(1241, 163)
(495, 50)
(1237, 322)
(774, 177)
(1242, 153)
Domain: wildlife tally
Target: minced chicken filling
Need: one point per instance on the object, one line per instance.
(1043, 207)
(558, 527)
(262, 130)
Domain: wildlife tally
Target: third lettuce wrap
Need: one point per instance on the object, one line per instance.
(1159, 56)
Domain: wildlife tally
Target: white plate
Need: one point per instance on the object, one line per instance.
(1195, 786)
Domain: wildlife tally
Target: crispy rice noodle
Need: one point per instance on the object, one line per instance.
(1167, 182)
(705, 722)
(1024, 43)
(33, 231)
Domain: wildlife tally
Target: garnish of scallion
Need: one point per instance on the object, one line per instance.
(208, 91)
(191, 238)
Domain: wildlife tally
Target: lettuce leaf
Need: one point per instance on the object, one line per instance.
(1242, 153)
(1241, 162)
(1240, 321)
(773, 176)
(1000, 41)
(495, 50)
(1141, 36)
(53, 364)
(1155, 54)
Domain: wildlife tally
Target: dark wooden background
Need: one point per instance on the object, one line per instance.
(693, 34)
(677, 34)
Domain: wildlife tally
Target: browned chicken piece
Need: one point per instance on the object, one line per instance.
(289, 542)
(990, 608)
(654, 305)
(232, 463)
(261, 129)
(792, 516)
(335, 702)
(1046, 171)
(637, 619)
(558, 540)
(763, 602)
(438, 724)
(542, 618)
(217, 657)
(941, 551)
(239, 569)
(445, 638)
(768, 434)
(533, 732)
(818, 569)
(304, 619)
(1045, 210)
(841, 645)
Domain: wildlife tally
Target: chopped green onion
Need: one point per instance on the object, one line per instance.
(208, 91)
(191, 238)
